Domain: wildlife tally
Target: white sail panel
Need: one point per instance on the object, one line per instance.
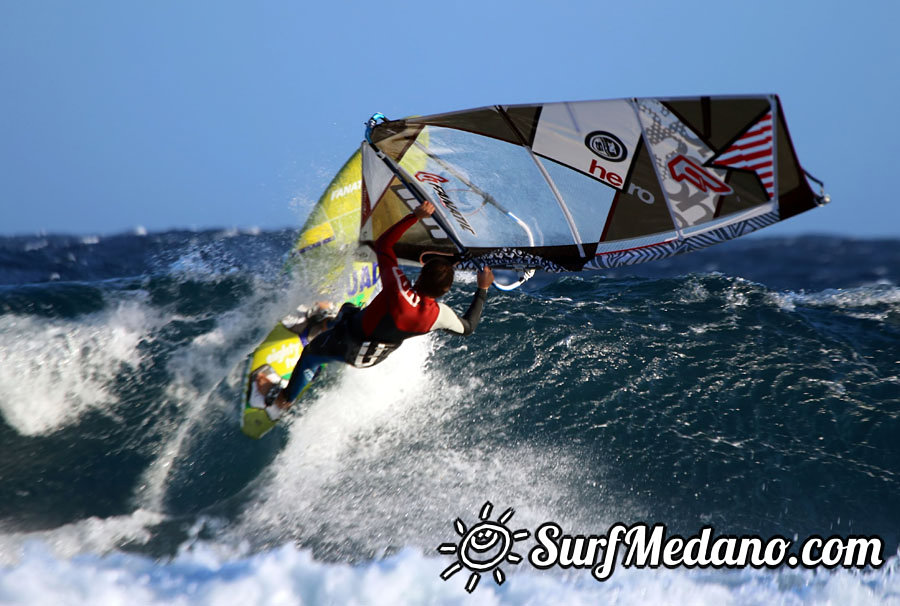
(376, 178)
(468, 179)
(598, 138)
(588, 201)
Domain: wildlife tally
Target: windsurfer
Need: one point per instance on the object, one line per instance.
(364, 337)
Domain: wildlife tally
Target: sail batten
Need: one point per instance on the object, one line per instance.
(659, 177)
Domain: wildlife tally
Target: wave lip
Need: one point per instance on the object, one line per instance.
(58, 369)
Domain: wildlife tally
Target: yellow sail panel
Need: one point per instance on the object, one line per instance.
(395, 203)
(330, 271)
(315, 236)
(386, 200)
(336, 216)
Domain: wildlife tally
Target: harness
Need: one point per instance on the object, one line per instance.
(347, 340)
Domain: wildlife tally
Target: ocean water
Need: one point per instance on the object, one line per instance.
(753, 387)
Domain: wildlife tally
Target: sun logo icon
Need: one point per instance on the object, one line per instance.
(483, 547)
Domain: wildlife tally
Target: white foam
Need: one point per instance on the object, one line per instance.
(301, 205)
(36, 245)
(216, 575)
(195, 370)
(199, 264)
(466, 277)
(91, 535)
(378, 458)
(863, 296)
(362, 404)
(736, 295)
(56, 369)
(198, 367)
(692, 291)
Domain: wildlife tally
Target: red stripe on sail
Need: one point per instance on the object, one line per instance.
(738, 145)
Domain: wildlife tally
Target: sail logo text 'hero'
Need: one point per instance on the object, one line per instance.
(641, 194)
(435, 181)
(607, 176)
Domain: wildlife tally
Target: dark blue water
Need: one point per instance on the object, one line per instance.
(753, 386)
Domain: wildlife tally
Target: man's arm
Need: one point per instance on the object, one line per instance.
(466, 325)
(384, 245)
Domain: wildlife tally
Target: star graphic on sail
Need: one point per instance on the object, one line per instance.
(753, 151)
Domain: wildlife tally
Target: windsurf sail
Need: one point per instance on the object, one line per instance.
(583, 185)
(327, 243)
(324, 260)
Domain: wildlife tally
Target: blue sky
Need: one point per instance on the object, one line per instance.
(192, 114)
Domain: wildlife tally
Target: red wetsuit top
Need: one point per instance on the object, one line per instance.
(398, 312)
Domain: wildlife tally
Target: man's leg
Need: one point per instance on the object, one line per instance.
(327, 347)
(310, 321)
(306, 370)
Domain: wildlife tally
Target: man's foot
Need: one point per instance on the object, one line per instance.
(267, 389)
(265, 379)
(318, 318)
(281, 401)
(272, 388)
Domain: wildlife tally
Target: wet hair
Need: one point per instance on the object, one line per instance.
(435, 279)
